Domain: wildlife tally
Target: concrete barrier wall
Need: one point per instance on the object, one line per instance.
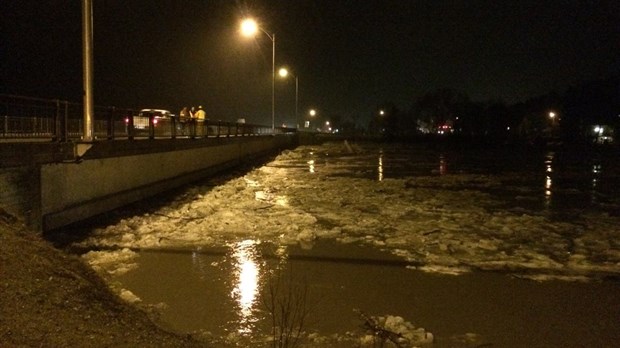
(19, 192)
(71, 192)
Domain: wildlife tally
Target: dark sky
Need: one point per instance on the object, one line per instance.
(349, 56)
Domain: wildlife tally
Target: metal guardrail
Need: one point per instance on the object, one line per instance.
(24, 117)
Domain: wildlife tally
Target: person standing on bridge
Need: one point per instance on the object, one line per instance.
(184, 119)
(200, 116)
(192, 122)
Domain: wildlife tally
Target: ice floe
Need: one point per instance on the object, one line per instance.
(449, 223)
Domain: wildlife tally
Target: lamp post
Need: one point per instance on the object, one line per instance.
(284, 73)
(553, 117)
(87, 61)
(249, 28)
(312, 113)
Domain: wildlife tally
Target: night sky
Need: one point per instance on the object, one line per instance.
(350, 56)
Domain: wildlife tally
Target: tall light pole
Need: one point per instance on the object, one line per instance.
(87, 61)
(249, 28)
(284, 73)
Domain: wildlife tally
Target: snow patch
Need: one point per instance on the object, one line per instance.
(129, 296)
(115, 262)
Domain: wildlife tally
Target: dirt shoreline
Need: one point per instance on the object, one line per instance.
(52, 299)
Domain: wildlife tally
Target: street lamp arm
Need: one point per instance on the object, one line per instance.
(271, 37)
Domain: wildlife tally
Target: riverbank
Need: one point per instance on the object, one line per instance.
(52, 299)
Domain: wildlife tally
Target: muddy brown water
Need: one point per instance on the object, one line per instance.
(222, 290)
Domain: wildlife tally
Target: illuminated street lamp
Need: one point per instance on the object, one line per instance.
(553, 117)
(284, 73)
(250, 28)
(312, 113)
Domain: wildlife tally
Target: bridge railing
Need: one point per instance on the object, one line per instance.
(24, 117)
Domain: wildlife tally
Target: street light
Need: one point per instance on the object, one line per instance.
(284, 73)
(249, 28)
(554, 119)
(312, 113)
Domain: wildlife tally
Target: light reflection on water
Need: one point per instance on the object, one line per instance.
(596, 174)
(380, 166)
(239, 274)
(247, 280)
(443, 165)
(552, 181)
(548, 180)
(311, 166)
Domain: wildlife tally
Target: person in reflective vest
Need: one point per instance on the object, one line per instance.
(199, 117)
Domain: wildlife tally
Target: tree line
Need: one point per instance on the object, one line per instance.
(574, 115)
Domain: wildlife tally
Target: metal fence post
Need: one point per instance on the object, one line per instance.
(130, 128)
(111, 113)
(56, 122)
(64, 127)
(151, 126)
(174, 127)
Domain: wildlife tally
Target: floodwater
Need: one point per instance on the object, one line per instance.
(223, 293)
(458, 247)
